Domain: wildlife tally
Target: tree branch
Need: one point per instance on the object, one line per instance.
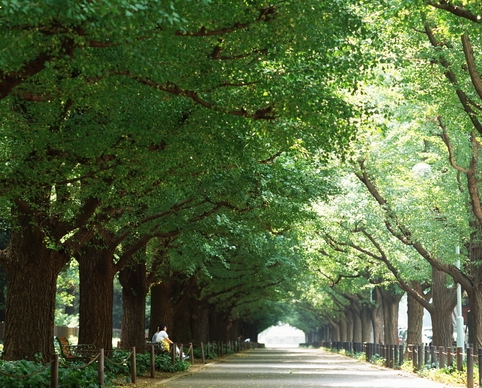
(470, 60)
(455, 9)
(403, 234)
(9, 80)
(451, 76)
(267, 113)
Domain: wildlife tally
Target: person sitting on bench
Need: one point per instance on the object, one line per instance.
(163, 338)
(154, 337)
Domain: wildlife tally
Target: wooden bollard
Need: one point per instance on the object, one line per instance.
(203, 357)
(470, 369)
(133, 366)
(54, 371)
(449, 356)
(191, 353)
(420, 357)
(100, 367)
(414, 357)
(441, 357)
(153, 362)
(460, 358)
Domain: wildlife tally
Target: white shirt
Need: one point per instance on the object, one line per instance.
(161, 335)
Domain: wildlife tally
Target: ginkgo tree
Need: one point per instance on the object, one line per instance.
(440, 77)
(108, 107)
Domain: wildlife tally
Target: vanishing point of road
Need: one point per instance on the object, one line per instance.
(295, 367)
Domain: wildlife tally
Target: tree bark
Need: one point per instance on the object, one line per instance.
(474, 288)
(357, 327)
(31, 269)
(3, 296)
(366, 321)
(200, 324)
(343, 325)
(162, 309)
(134, 291)
(96, 273)
(184, 312)
(414, 316)
(335, 330)
(390, 300)
(218, 325)
(444, 301)
(376, 313)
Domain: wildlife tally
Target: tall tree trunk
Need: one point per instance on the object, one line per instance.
(474, 289)
(343, 325)
(3, 296)
(252, 330)
(200, 324)
(376, 313)
(355, 315)
(182, 319)
(444, 301)
(31, 271)
(414, 317)
(326, 332)
(96, 274)
(357, 326)
(218, 325)
(366, 321)
(335, 330)
(162, 308)
(133, 279)
(475, 299)
(391, 300)
(349, 324)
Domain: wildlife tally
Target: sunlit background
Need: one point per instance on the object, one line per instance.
(281, 336)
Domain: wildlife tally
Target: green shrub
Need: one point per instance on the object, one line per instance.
(77, 375)
(378, 360)
(39, 375)
(211, 355)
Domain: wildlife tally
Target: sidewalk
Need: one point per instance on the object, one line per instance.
(294, 368)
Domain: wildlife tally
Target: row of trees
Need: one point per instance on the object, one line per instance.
(241, 162)
(168, 143)
(411, 193)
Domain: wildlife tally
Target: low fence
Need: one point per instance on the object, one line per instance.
(219, 348)
(420, 355)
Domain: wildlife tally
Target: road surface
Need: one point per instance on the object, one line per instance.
(295, 367)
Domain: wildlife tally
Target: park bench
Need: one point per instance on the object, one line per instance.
(83, 352)
(158, 349)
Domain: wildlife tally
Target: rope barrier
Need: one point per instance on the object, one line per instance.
(70, 366)
(119, 363)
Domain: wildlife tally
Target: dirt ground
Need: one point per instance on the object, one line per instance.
(148, 382)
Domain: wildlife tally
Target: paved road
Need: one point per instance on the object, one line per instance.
(295, 368)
